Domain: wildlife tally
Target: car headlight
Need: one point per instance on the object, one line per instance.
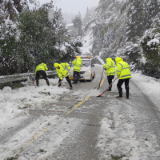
(89, 71)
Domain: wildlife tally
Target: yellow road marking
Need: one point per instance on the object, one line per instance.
(86, 98)
(41, 132)
(37, 135)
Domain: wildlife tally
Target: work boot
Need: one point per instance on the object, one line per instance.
(119, 97)
(120, 93)
(47, 81)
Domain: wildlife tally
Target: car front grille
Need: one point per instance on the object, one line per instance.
(82, 72)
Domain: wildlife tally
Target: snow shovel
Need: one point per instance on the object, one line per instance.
(100, 79)
(62, 80)
(106, 88)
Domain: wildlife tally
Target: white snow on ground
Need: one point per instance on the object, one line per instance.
(117, 138)
(13, 103)
(149, 86)
(62, 129)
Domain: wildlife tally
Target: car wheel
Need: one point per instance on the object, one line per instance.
(91, 78)
(94, 75)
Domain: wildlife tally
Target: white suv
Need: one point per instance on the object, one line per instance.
(87, 69)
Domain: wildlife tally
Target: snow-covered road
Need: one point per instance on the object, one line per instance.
(35, 125)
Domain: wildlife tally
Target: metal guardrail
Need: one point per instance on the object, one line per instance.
(22, 77)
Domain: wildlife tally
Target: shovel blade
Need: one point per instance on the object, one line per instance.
(101, 94)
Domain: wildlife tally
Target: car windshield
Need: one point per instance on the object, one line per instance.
(85, 63)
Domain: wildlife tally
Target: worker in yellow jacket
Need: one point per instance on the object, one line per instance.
(124, 75)
(40, 70)
(63, 71)
(110, 71)
(76, 69)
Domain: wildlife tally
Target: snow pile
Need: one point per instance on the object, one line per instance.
(29, 97)
(117, 138)
(15, 108)
(149, 86)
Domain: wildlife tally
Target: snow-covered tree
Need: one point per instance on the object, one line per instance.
(87, 17)
(35, 36)
(78, 24)
(119, 29)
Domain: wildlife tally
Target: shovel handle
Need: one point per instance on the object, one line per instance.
(111, 83)
(62, 79)
(106, 89)
(60, 82)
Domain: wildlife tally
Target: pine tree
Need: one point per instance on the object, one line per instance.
(87, 17)
(77, 22)
(135, 25)
(32, 38)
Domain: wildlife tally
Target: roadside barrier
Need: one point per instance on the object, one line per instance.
(22, 77)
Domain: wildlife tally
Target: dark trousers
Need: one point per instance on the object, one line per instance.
(119, 86)
(68, 80)
(43, 74)
(75, 76)
(110, 78)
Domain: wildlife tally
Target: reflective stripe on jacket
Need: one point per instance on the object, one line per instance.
(110, 67)
(77, 64)
(63, 71)
(123, 69)
(41, 67)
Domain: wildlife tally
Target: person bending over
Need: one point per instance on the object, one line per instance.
(41, 71)
(63, 71)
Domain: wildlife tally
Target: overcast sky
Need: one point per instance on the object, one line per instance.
(73, 6)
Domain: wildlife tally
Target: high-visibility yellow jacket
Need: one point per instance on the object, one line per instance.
(63, 71)
(77, 64)
(41, 67)
(123, 69)
(110, 67)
